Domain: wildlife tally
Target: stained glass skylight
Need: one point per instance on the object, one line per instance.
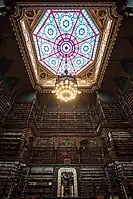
(66, 40)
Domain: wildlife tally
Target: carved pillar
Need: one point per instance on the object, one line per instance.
(103, 119)
(111, 146)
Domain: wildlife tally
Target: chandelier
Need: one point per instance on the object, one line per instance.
(66, 87)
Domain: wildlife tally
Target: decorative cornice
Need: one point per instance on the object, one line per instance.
(62, 4)
(92, 82)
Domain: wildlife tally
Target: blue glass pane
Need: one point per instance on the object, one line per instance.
(66, 39)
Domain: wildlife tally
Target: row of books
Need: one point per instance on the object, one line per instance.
(40, 182)
(92, 181)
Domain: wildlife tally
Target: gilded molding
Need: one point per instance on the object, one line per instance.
(46, 85)
(69, 169)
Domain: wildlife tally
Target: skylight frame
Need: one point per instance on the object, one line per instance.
(41, 78)
(72, 61)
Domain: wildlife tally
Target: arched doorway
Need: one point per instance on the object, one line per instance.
(67, 183)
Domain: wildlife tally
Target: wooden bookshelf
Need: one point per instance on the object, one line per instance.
(40, 182)
(92, 181)
(21, 113)
(73, 123)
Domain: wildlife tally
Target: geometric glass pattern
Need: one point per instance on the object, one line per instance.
(66, 40)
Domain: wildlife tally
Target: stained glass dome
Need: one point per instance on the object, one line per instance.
(66, 40)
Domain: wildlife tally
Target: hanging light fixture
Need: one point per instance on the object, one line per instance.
(66, 87)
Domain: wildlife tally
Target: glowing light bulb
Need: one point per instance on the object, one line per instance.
(66, 81)
(79, 92)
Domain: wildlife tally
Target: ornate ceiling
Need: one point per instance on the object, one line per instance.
(66, 35)
(80, 35)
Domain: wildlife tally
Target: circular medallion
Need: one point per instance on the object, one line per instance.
(66, 39)
(66, 23)
(81, 31)
(66, 47)
(50, 31)
(46, 48)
